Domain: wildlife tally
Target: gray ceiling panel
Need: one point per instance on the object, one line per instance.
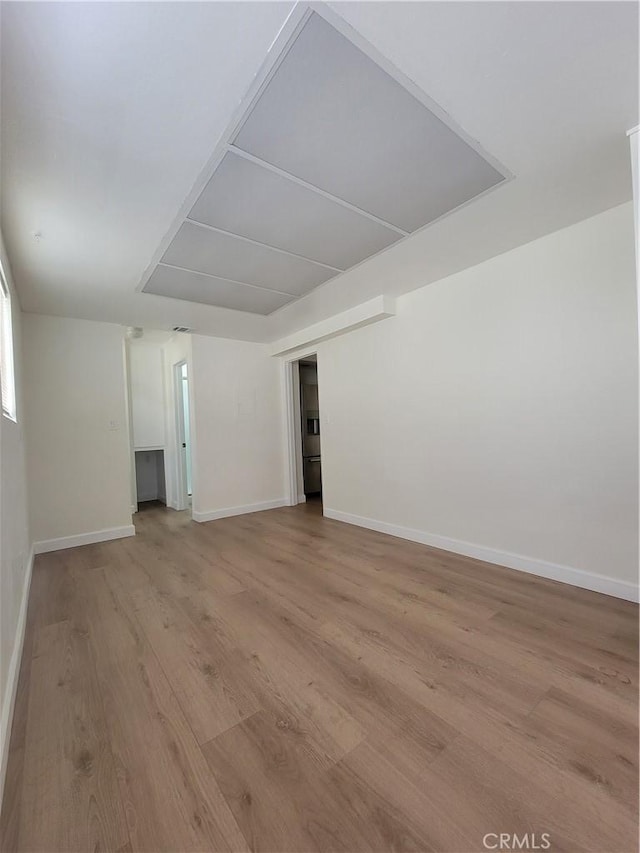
(332, 117)
(245, 198)
(230, 257)
(194, 287)
(335, 161)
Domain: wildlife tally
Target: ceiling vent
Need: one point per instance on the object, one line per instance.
(334, 159)
(181, 329)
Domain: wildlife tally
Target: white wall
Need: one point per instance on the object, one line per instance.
(237, 418)
(500, 407)
(634, 144)
(236, 425)
(15, 562)
(77, 429)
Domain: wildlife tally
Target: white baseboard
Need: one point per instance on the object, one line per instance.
(11, 687)
(238, 510)
(46, 545)
(552, 571)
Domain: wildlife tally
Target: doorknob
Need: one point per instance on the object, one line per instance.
(184, 443)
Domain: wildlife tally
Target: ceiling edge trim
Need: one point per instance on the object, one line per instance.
(372, 311)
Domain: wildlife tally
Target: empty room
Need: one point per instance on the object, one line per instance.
(319, 499)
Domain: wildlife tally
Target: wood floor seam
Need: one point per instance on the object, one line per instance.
(227, 731)
(109, 741)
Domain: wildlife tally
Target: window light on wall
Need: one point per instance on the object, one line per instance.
(7, 377)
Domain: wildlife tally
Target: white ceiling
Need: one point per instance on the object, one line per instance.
(111, 112)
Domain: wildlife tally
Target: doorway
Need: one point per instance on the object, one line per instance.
(302, 400)
(310, 429)
(183, 434)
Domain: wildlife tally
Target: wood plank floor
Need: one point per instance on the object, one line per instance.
(284, 682)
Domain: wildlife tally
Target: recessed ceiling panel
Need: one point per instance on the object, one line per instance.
(195, 287)
(334, 118)
(333, 161)
(223, 255)
(246, 198)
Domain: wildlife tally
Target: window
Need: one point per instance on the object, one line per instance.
(7, 378)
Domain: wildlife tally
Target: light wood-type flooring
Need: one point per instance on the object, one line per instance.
(284, 682)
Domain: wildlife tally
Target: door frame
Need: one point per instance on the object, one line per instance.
(182, 492)
(133, 481)
(290, 372)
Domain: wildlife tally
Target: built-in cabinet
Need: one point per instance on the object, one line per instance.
(148, 415)
(150, 475)
(147, 394)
